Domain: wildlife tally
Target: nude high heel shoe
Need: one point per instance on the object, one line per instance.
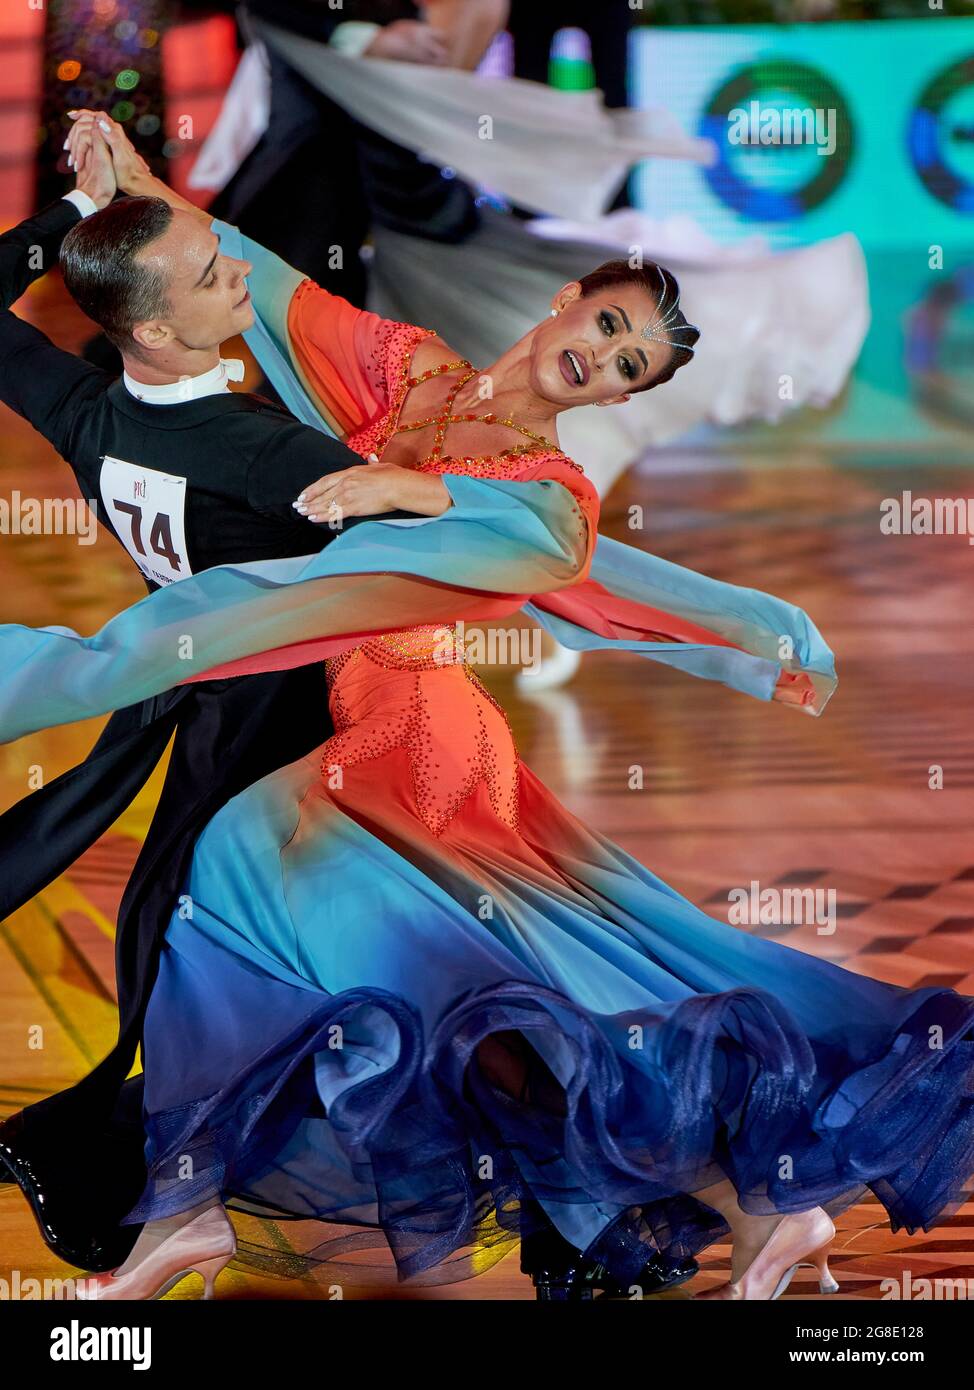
(204, 1245)
(802, 1239)
(552, 671)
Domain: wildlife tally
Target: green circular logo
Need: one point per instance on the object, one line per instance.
(940, 136)
(784, 136)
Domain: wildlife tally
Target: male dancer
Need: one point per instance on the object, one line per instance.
(186, 475)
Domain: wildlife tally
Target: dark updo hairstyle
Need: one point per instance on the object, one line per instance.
(661, 287)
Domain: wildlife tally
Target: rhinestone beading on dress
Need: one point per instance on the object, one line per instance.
(400, 347)
(440, 785)
(425, 648)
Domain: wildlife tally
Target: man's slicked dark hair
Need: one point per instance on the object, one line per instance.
(101, 270)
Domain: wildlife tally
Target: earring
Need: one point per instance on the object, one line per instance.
(554, 313)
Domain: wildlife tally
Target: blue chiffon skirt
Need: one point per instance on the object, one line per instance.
(340, 1031)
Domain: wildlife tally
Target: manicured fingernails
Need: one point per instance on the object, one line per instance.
(103, 125)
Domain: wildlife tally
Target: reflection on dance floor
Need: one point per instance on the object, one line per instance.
(733, 792)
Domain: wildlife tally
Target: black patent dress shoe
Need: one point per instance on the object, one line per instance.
(70, 1218)
(582, 1280)
(561, 1274)
(658, 1274)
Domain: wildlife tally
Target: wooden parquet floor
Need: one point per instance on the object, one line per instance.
(734, 790)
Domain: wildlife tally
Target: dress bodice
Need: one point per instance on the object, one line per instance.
(399, 346)
(432, 645)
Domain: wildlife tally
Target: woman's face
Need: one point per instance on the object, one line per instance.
(593, 349)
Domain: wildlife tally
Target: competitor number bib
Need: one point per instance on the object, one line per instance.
(147, 510)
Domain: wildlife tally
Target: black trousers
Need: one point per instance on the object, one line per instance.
(607, 22)
(89, 1139)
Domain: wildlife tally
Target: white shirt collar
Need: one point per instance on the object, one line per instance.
(188, 388)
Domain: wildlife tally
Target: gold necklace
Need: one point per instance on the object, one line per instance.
(445, 418)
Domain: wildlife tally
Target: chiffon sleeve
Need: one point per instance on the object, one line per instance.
(347, 356)
(334, 366)
(557, 468)
(624, 599)
(479, 560)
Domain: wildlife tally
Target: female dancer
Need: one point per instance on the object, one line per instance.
(405, 988)
(799, 313)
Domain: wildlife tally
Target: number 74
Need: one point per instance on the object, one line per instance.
(160, 535)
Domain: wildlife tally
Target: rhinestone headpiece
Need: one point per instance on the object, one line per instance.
(658, 331)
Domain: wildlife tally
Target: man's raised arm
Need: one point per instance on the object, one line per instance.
(36, 378)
